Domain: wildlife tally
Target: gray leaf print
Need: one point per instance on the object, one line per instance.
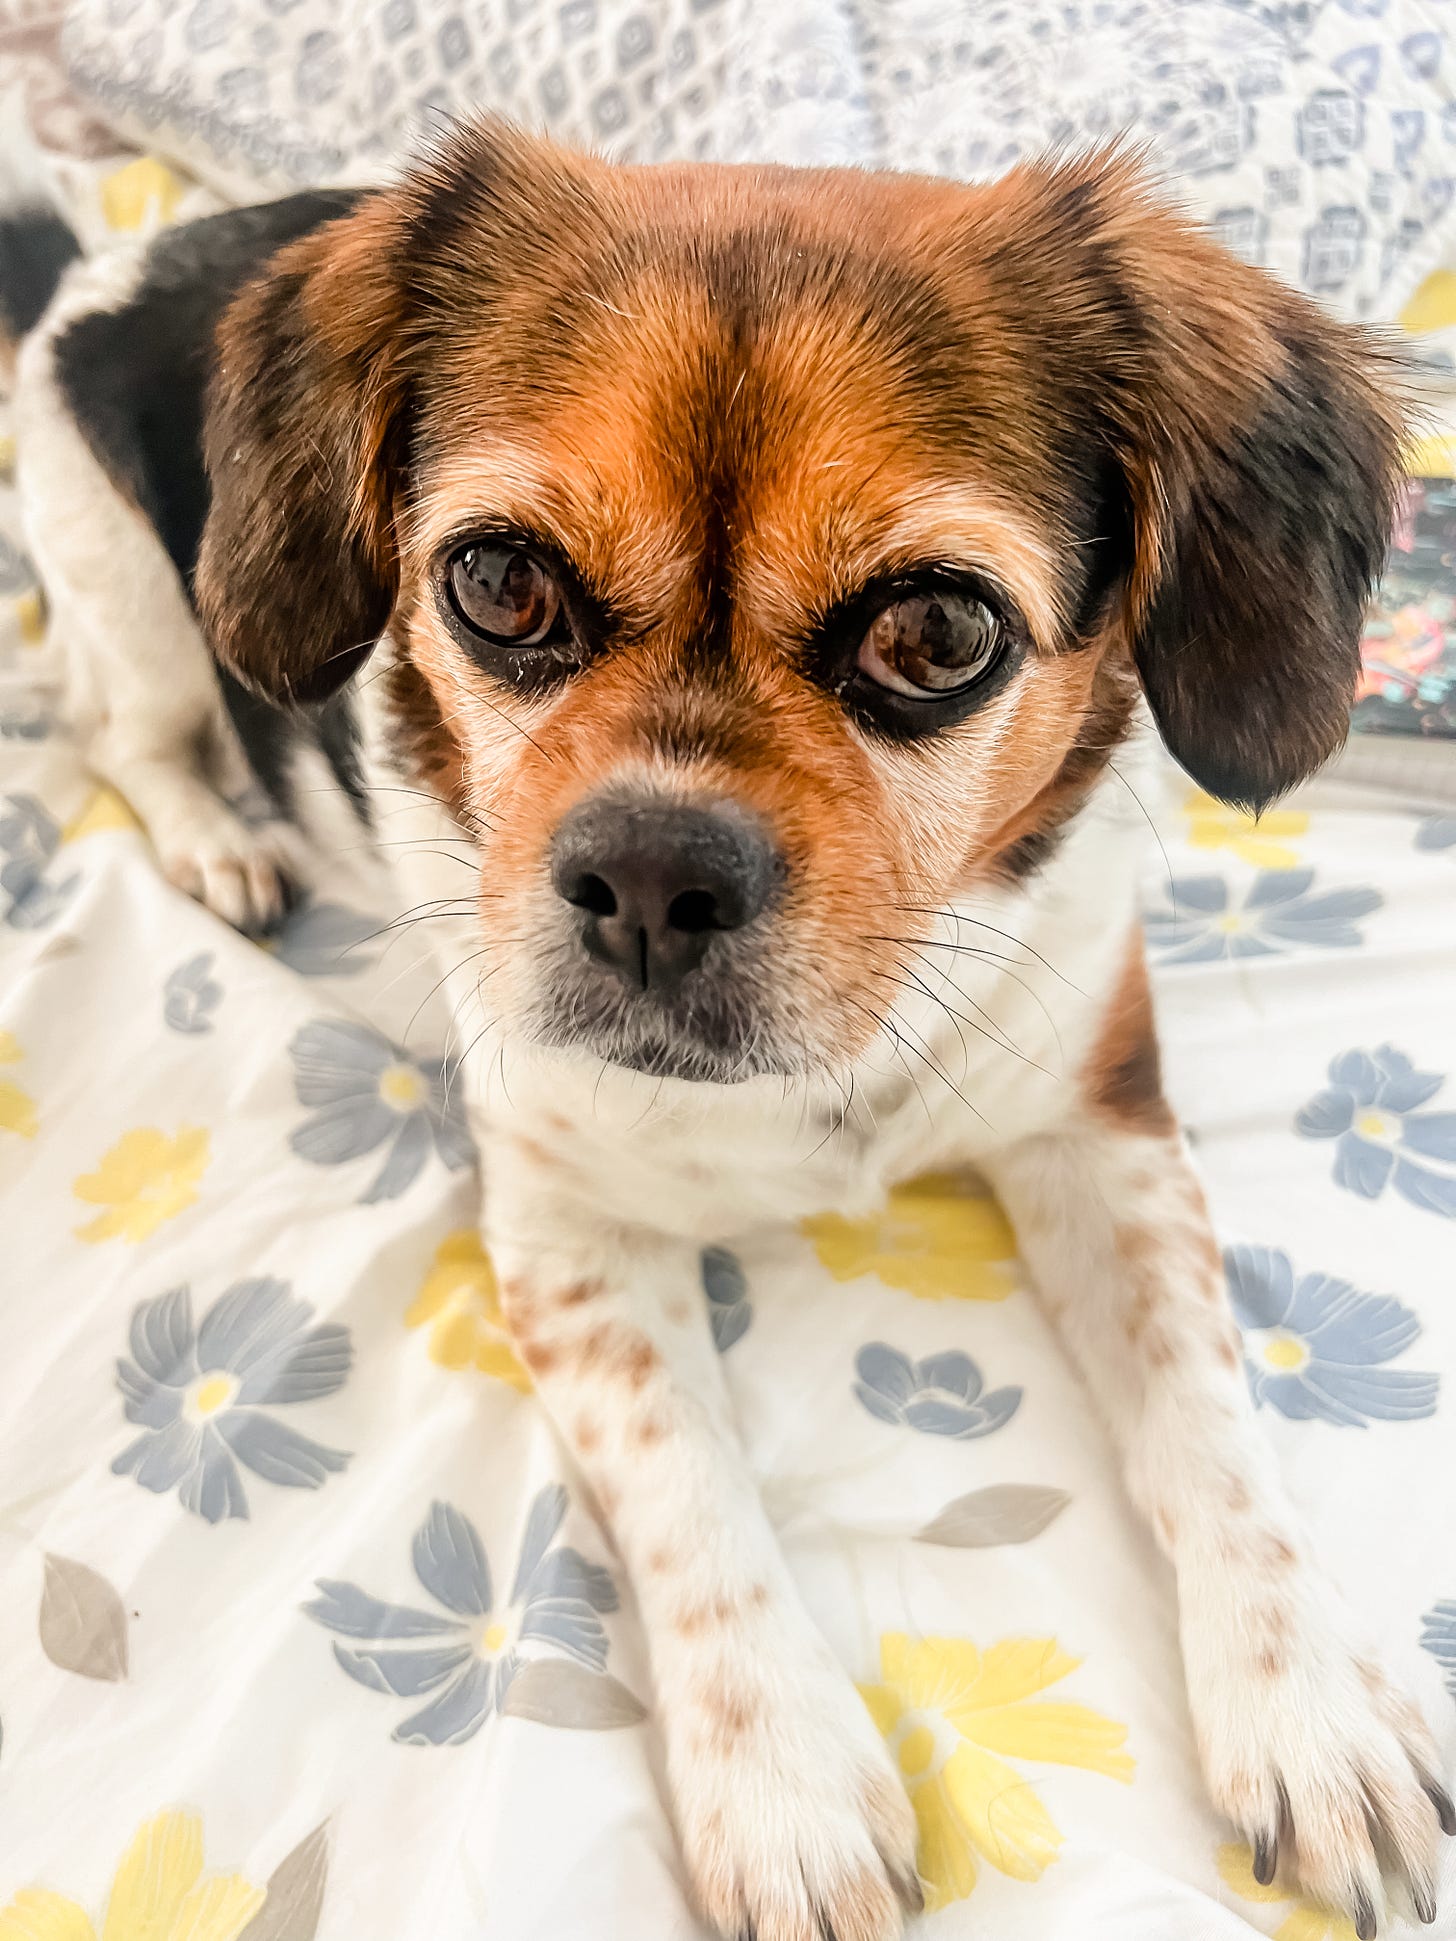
(295, 1893)
(1005, 1513)
(191, 995)
(726, 1285)
(553, 1691)
(82, 1621)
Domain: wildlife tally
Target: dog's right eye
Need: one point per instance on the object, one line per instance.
(504, 595)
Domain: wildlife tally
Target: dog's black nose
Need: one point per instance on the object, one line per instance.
(655, 882)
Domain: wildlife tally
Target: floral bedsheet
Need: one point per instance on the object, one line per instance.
(306, 1628)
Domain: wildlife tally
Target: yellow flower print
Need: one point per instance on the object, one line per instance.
(17, 1108)
(461, 1303)
(143, 194)
(145, 1179)
(104, 809)
(949, 1711)
(30, 617)
(1265, 841)
(159, 1894)
(1304, 1923)
(933, 1239)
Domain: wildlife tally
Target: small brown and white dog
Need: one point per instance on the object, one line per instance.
(760, 569)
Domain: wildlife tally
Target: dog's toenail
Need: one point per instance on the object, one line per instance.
(1441, 1800)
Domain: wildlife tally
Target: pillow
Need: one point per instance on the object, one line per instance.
(1317, 137)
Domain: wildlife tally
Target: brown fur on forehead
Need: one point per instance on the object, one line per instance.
(802, 349)
(678, 477)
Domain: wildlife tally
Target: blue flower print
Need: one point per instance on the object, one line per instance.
(1371, 1110)
(1278, 913)
(365, 1093)
(29, 839)
(1438, 1636)
(1437, 832)
(198, 1394)
(466, 1660)
(1314, 1348)
(726, 1286)
(942, 1395)
(33, 719)
(325, 940)
(191, 995)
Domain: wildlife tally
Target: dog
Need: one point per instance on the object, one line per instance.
(757, 572)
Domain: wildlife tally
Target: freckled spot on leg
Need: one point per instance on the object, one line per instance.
(1228, 1354)
(678, 1312)
(659, 1562)
(1238, 1497)
(1167, 1528)
(578, 1293)
(1270, 1663)
(638, 1362)
(1137, 1245)
(586, 1435)
(596, 1345)
(539, 1356)
(695, 1619)
(757, 1597)
(729, 1714)
(1159, 1350)
(557, 1124)
(607, 1500)
(1281, 1551)
(646, 1430)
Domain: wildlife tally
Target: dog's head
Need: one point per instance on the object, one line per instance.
(772, 554)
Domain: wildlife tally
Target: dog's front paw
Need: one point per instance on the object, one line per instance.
(243, 872)
(1328, 1770)
(794, 1824)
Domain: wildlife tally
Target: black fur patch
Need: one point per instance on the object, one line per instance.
(35, 249)
(135, 379)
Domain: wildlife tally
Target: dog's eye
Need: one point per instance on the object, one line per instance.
(504, 595)
(932, 644)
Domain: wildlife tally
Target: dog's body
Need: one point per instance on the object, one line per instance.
(715, 427)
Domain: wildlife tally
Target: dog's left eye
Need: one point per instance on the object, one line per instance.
(931, 644)
(504, 595)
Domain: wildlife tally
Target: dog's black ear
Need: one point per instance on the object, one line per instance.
(297, 572)
(1260, 440)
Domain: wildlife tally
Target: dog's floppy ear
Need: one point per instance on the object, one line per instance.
(1260, 440)
(297, 573)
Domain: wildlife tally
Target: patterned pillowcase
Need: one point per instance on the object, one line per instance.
(1318, 139)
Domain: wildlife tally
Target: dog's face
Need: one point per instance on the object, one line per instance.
(772, 555)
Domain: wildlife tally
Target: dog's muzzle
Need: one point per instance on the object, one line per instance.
(668, 901)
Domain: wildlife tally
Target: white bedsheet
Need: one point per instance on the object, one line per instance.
(276, 1505)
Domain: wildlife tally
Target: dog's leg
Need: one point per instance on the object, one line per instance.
(1306, 1745)
(141, 684)
(793, 1822)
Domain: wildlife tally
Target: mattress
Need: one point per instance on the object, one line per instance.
(306, 1627)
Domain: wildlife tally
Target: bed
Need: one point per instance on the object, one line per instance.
(306, 1628)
